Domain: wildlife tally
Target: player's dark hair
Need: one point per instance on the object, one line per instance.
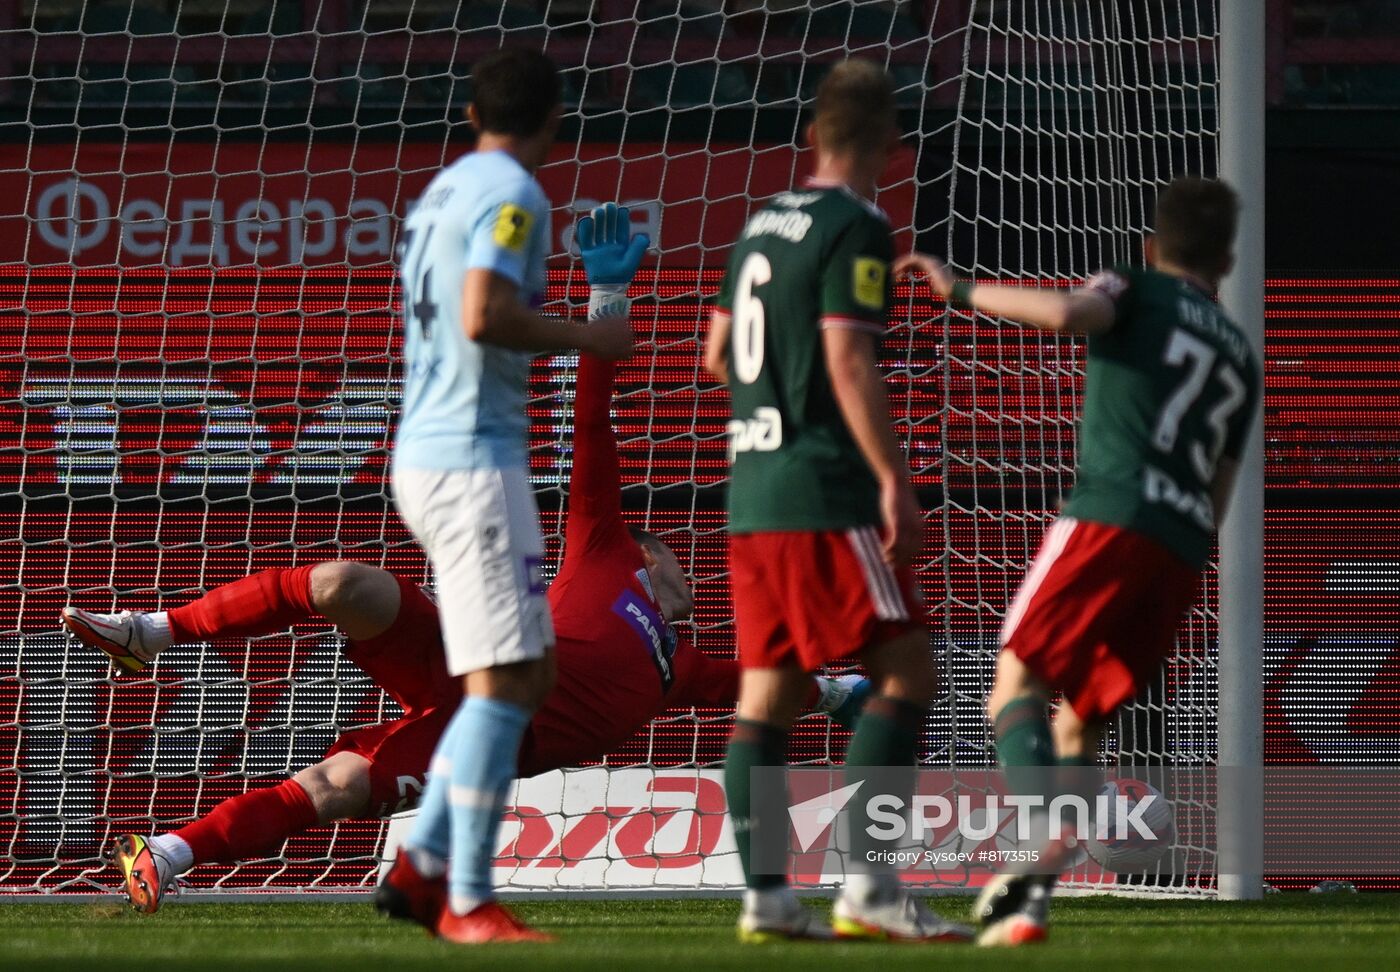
(855, 106)
(514, 91)
(1195, 226)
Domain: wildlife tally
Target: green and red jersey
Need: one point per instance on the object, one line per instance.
(1169, 390)
(810, 259)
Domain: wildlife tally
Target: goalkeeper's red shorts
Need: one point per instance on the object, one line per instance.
(1097, 613)
(408, 662)
(813, 597)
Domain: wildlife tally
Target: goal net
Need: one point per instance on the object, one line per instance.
(1070, 117)
(203, 371)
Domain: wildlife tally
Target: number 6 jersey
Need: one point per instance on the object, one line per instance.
(1169, 391)
(808, 260)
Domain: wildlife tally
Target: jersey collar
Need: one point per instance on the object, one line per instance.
(1191, 280)
(812, 182)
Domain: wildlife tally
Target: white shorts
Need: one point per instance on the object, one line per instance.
(481, 530)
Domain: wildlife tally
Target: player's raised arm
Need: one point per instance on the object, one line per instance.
(1084, 311)
(611, 254)
(492, 309)
(493, 313)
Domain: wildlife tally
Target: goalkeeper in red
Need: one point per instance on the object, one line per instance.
(620, 664)
(1171, 389)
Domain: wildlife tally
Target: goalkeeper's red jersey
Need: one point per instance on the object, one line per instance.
(606, 618)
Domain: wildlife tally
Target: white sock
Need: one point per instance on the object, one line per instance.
(155, 631)
(425, 862)
(462, 904)
(875, 888)
(174, 850)
(769, 901)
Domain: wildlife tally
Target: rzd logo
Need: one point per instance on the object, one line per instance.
(762, 433)
(541, 843)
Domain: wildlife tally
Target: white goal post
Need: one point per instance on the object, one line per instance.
(1241, 829)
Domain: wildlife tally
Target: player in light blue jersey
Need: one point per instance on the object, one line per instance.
(472, 273)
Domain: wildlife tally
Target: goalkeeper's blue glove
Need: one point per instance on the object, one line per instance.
(610, 257)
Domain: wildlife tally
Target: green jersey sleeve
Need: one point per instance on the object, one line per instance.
(855, 285)
(724, 300)
(1116, 285)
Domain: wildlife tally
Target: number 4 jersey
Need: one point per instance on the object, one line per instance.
(810, 259)
(1169, 391)
(464, 401)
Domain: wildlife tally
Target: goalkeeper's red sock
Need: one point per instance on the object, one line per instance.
(263, 603)
(252, 825)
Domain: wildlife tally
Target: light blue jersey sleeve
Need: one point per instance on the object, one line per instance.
(464, 400)
(499, 240)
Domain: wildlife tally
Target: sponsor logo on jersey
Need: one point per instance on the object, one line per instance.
(762, 433)
(513, 227)
(652, 630)
(868, 282)
(796, 200)
(1158, 487)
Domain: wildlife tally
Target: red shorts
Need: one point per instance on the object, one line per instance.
(1098, 612)
(408, 662)
(813, 597)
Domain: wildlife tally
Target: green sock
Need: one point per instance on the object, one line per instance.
(754, 744)
(887, 735)
(1024, 747)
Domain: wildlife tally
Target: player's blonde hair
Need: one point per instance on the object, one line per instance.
(855, 107)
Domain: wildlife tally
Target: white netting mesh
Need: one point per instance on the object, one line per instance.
(203, 372)
(1071, 116)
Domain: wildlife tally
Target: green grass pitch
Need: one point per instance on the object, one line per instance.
(1283, 932)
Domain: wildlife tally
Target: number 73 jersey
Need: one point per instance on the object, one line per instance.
(809, 260)
(1169, 391)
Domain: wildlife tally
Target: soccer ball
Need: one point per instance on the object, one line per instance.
(1132, 852)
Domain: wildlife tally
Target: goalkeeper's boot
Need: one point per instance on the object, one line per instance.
(777, 916)
(407, 895)
(146, 871)
(1014, 909)
(489, 922)
(129, 639)
(842, 698)
(901, 918)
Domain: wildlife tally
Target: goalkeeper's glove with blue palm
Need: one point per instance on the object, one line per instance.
(611, 254)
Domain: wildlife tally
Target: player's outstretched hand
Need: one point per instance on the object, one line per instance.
(609, 338)
(921, 264)
(903, 522)
(611, 251)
